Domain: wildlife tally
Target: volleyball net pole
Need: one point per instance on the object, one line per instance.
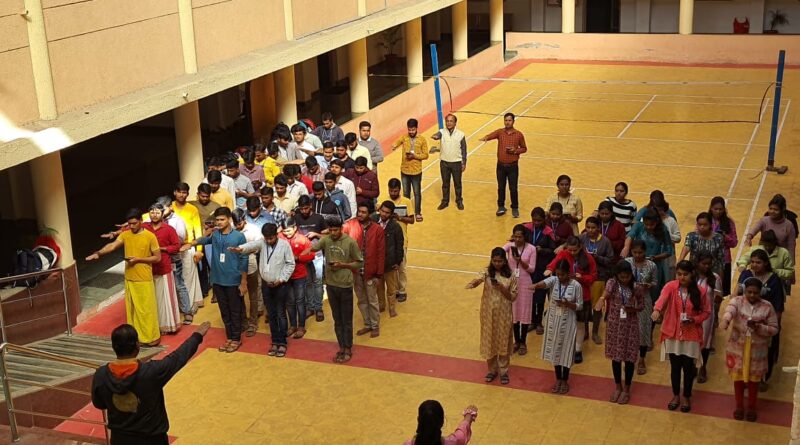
(776, 113)
(436, 89)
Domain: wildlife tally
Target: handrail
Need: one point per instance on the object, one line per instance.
(13, 278)
(5, 347)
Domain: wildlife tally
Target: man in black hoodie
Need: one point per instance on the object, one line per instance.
(133, 391)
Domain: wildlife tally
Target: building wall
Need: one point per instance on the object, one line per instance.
(17, 92)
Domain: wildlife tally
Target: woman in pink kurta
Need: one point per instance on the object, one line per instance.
(430, 420)
(522, 259)
(754, 321)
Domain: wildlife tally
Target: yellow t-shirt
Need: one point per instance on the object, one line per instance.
(190, 216)
(223, 198)
(401, 201)
(139, 245)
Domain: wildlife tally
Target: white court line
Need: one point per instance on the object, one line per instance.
(677, 141)
(604, 161)
(437, 269)
(483, 142)
(761, 186)
(658, 102)
(550, 186)
(446, 253)
(660, 95)
(635, 118)
(747, 150)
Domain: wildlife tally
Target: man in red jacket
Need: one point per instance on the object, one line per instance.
(297, 303)
(370, 239)
(365, 182)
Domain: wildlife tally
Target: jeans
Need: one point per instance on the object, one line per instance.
(297, 303)
(341, 302)
(275, 301)
(414, 181)
(510, 173)
(203, 270)
(231, 307)
(448, 169)
(184, 300)
(253, 298)
(314, 283)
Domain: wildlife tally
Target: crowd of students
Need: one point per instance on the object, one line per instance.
(623, 269)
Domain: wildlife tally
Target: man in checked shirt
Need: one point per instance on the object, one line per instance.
(510, 144)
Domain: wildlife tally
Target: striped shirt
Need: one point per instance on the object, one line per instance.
(624, 213)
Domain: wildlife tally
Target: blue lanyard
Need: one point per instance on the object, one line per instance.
(604, 227)
(536, 236)
(623, 296)
(562, 293)
(574, 266)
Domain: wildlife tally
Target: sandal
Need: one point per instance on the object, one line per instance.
(251, 331)
(224, 346)
(673, 404)
(738, 414)
(504, 380)
(523, 349)
(418, 218)
(233, 346)
(641, 368)
(300, 333)
(346, 356)
(338, 357)
(687, 406)
(615, 396)
(281, 352)
(564, 388)
(273, 350)
(556, 388)
(187, 319)
(624, 398)
(751, 416)
(490, 377)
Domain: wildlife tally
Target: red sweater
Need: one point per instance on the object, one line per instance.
(167, 238)
(670, 305)
(375, 247)
(368, 182)
(561, 230)
(299, 243)
(588, 275)
(615, 232)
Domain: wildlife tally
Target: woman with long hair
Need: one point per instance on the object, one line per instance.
(541, 236)
(624, 209)
(723, 224)
(570, 202)
(601, 250)
(711, 280)
(561, 228)
(657, 200)
(499, 292)
(784, 224)
(430, 420)
(705, 240)
(658, 245)
(645, 273)
(683, 305)
(522, 260)
(610, 227)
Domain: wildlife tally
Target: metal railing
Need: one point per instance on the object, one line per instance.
(6, 383)
(31, 296)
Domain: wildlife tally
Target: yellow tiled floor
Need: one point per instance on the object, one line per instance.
(294, 401)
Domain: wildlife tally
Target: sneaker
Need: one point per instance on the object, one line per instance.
(460, 205)
(500, 211)
(578, 357)
(515, 213)
(442, 206)
(401, 298)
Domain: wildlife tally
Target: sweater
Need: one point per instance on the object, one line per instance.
(368, 182)
(394, 242)
(671, 306)
(588, 274)
(373, 248)
(299, 243)
(275, 263)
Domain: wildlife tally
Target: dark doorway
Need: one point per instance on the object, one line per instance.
(325, 67)
(602, 16)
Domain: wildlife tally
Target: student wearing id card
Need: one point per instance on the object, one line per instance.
(623, 300)
(522, 259)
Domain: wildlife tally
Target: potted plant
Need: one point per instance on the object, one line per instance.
(389, 39)
(776, 18)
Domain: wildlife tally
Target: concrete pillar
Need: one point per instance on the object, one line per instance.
(190, 143)
(288, 19)
(642, 16)
(359, 82)
(262, 106)
(286, 96)
(51, 202)
(496, 21)
(186, 20)
(686, 17)
(40, 60)
(413, 42)
(21, 188)
(460, 31)
(362, 8)
(568, 16)
(537, 15)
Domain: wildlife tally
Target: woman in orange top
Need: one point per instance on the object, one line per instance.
(684, 306)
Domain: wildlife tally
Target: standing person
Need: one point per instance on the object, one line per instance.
(340, 201)
(256, 214)
(705, 240)
(313, 170)
(657, 201)
(683, 306)
(294, 187)
(312, 225)
(753, 322)
(252, 234)
(132, 391)
(415, 150)
(218, 193)
(776, 219)
(559, 226)
(584, 270)
(356, 150)
(268, 205)
(185, 306)
(510, 144)
(343, 155)
(773, 292)
(658, 246)
(403, 214)
(387, 286)
(611, 228)
(141, 253)
(328, 131)
(721, 223)
(623, 300)
(780, 260)
(244, 186)
(646, 274)
(499, 293)
(253, 172)
(452, 160)
(336, 168)
(189, 258)
(166, 296)
(365, 182)
(228, 275)
(711, 281)
(205, 208)
(571, 204)
(430, 421)
(323, 204)
(342, 260)
(365, 139)
(300, 148)
(283, 199)
(522, 260)
(560, 337)
(370, 239)
(275, 265)
(297, 303)
(541, 237)
(599, 247)
(624, 209)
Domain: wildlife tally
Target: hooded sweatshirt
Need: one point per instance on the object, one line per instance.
(133, 392)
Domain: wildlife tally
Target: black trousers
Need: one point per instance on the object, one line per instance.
(231, 307)
(616, 368)
(449, 169)
(341, 301)
(124, 438)
(772, 352)
(520, 333)
(508, 173)
(203, 270)
(682, 364)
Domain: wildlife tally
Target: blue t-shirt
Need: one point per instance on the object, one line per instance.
(226, 266)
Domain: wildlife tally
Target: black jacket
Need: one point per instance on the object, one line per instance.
(135, 403)
(394, 243)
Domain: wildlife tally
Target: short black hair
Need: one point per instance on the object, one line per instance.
(289, 222)
(298, 127)
(318, 185)
(248, 157)
(394, 183)
(238, 216)
(327, 116)
(133, 214)
(204, 188)
(124, 340)
(181, 187)
(389, 205)
(214, 176)
(280, 180)
(511, 115)
(412, 123)
(304, 200)
(266, 190)
(216, 162)
(327, 144)
(361, 161)
(269, 229)
(333, 221)
(349, 138)
(253, 203)
(232, 164)
(311, 162)
(330, 176)
(273, 149)
(363, 124)
(284, 134)
(341, 143)
(222, 211)
(291, 169)
(368, 204)
(338, 162)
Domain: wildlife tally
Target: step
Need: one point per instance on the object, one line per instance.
(44, 436)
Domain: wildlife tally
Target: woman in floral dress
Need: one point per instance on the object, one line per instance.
(646, 275)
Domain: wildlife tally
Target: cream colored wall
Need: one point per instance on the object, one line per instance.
(17, 92)
(310, 16)
(374, 6)
(228, 29)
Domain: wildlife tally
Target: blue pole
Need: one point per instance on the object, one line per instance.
(776, 109)
(436, 89)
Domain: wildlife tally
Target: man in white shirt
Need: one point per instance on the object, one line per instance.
(365, 139)
(293, 186)
(342, 183)
(452, 161)
(355, 150)
(300, 148)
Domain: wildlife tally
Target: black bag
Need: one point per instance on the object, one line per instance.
(26, 261)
